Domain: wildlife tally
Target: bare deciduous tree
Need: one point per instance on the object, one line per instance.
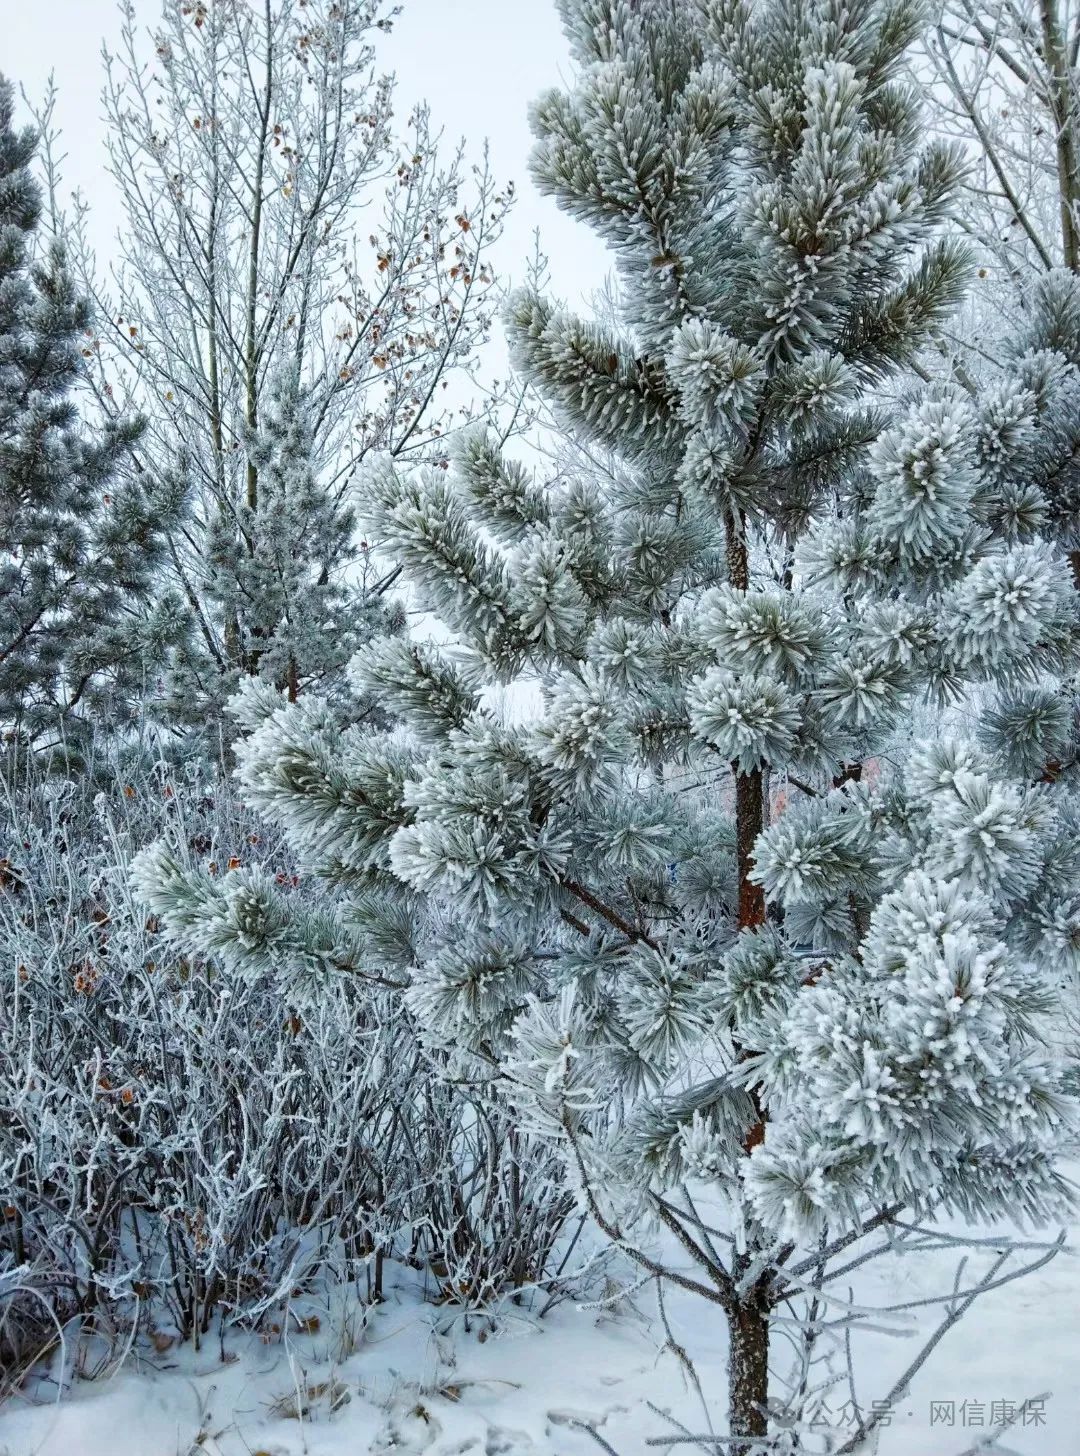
(1007, 74)
(275, 221)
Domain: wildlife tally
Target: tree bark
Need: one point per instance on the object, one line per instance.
(749, 823)
(748, 1362)
(1063, 112)
(748, 1321)
(749, 787)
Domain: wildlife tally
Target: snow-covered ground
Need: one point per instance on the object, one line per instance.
(408, 1378)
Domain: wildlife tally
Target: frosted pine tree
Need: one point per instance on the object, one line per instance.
(80, 534)
(286, 569)
(711, 918)
(1030, 456)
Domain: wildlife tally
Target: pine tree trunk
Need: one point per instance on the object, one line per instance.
(748, 1365)
(748, 1325)
(749, 822)
(749, 788)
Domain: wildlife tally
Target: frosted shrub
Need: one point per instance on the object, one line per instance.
(186, 1142)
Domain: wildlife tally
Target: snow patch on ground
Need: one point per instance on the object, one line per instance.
(404, 1378)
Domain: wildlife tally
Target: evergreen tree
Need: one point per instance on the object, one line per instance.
(1032, 456)
(285, 569)
(714, 917)
(81, 537)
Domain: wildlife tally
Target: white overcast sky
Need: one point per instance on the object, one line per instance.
(477, 62)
